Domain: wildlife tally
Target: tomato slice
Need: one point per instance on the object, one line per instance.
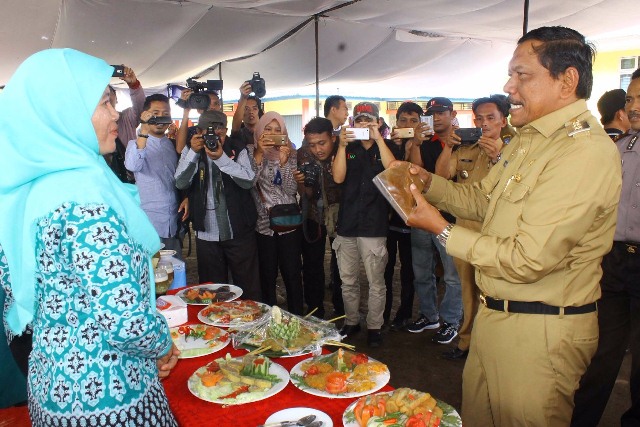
(336, 383)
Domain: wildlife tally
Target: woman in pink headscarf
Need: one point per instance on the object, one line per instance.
(275, 166)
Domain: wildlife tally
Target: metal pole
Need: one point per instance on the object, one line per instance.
(220, 78)
(317, 69)
(525, 21)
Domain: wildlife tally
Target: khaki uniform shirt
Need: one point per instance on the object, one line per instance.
(548, 212)
(468, 164)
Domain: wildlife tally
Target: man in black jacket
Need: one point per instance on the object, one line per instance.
(219, 178)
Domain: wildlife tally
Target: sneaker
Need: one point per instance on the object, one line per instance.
(349, 330)
(446, 334)
(421, 324)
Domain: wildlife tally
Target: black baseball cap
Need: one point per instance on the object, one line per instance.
(209, 118)
(438, 105)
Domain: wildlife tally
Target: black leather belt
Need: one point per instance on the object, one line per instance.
(631, 247)
(533, 307)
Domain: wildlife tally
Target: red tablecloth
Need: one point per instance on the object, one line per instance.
(191, 411)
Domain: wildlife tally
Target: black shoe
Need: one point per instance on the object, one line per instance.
(446, 334)
(399, 324)
(421, 324)
(455, 354)
(374, 338)
(348, 330)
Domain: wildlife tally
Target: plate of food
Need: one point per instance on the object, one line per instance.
(341, 374)
(232, 313)
(207, 293)
(234, 381)
(283, 334)
(195, 340)
(401, 407)
(290, 414)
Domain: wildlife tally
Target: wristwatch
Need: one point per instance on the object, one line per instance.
(142, 135)
(498, 157)
(444, 236)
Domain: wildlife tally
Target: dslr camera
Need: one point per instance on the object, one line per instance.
(211, 140)
(199, 99)
(258, 85)
(311, 171)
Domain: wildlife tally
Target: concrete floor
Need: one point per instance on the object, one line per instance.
(416, 362)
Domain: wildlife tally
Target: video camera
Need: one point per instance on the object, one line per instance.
(199, 99)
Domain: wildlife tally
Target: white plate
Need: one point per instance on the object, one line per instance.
(450, 417)
(380, 379)
(234, 322)
(237, 291)
(291, 414)
(196, 347)
(275, 369)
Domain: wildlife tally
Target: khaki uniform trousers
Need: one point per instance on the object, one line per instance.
(373, 253)
(523, 369)
(470, 300)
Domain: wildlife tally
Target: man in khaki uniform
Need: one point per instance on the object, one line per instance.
(548, 211)
(468, 164)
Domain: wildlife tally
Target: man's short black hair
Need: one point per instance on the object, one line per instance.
(635, 74)
(332, 101)
(258, 103)
(409, 107)
(562, 48)
(152, 98)
(318, 125)
(500, 101)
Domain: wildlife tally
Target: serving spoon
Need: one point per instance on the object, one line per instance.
(306, 421)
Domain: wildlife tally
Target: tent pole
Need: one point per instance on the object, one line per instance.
(525, 21)
(315, 17)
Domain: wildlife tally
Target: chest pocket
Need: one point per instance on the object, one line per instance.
(508, 209)
(464, 166)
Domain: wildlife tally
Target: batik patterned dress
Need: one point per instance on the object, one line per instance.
(96, 334)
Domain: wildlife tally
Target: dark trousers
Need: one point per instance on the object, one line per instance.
(399, 242)
(336, 283)
(313, 268)
(281, 251)
(619, 327)
(238, 255)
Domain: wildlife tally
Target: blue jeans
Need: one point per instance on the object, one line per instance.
(423, 246)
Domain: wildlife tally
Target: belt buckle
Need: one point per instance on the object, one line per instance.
(631, 248)
(483, 300)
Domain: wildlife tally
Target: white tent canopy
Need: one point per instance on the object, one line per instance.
(374, 48)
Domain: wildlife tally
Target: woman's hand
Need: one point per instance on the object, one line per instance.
(167, 362)
(285, 152)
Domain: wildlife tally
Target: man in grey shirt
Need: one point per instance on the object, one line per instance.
(219, 178)
(152, 159)
(619, 306)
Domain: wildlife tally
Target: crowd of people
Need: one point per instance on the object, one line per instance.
(523, 224)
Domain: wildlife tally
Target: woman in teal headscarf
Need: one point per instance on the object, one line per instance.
(75, 251)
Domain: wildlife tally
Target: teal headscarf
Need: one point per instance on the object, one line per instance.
(49, 156)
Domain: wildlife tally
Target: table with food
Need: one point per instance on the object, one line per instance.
(244, 363)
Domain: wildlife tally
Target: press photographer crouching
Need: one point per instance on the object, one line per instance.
(320, 197)
(217, 172)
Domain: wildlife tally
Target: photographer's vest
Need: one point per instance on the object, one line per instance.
(241, 208)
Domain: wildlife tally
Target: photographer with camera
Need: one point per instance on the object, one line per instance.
(424, 244)
(408, 118)
(276, 188)
(320, 198)
(152, 159)
(127, 123)
(202, 100)
(247, 114)
(216, 171)
(468, 164)
(363, 220)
